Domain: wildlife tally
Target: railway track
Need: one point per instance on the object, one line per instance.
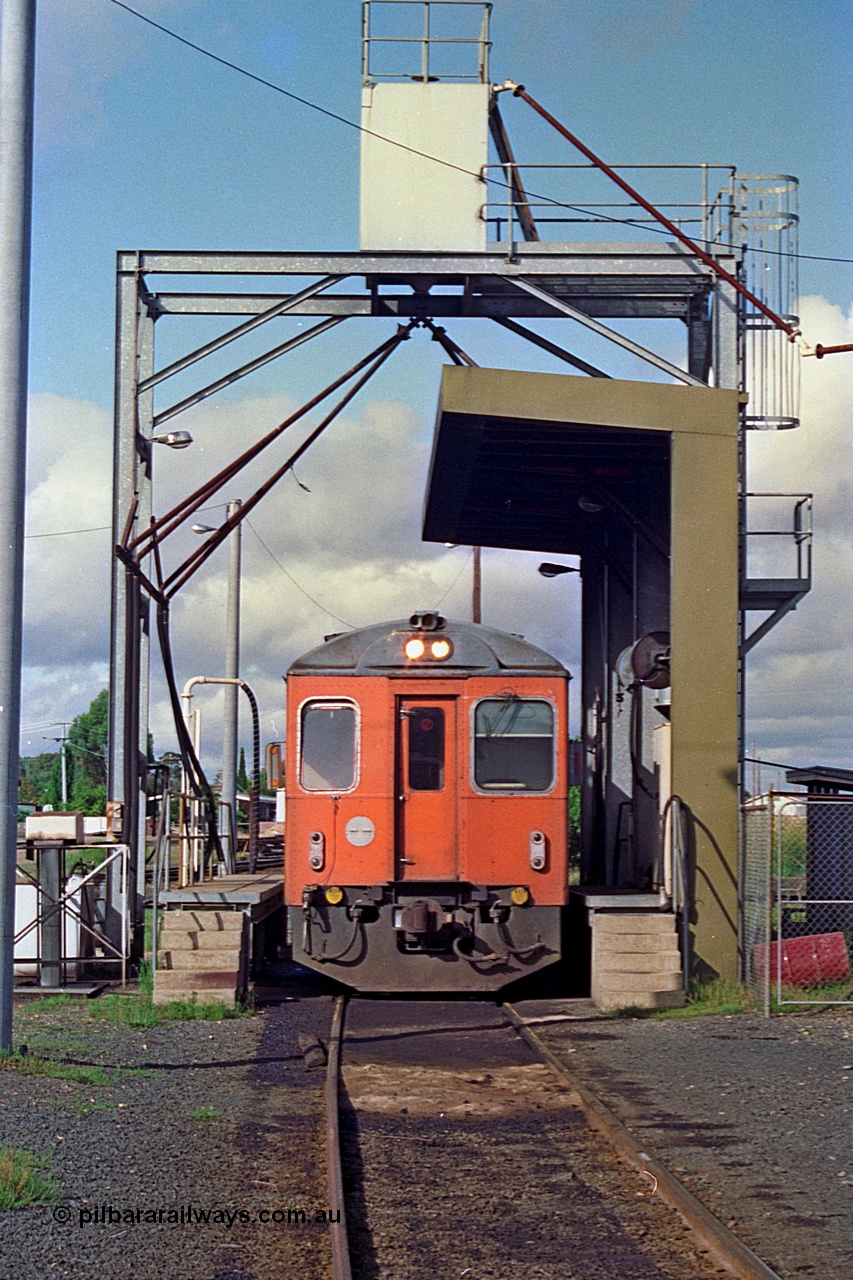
(459, 1145)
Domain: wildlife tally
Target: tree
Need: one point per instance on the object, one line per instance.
(244, 782)
(34, 777)
(87, 757)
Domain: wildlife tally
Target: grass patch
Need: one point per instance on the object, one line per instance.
(47, 1004)
(138, 1011)
(704, 999)
(720, 997)
(810, 999)
(205, 1113)
(24, 1180)
(27, 1064)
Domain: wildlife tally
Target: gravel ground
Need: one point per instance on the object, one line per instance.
(223, 1117)
(755, 1115)
(464, 1156)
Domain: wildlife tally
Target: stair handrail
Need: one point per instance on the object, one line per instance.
(675, 812)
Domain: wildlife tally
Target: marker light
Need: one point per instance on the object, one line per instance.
(415, 648)
(519, 896)
(440, 648)
(334, 895)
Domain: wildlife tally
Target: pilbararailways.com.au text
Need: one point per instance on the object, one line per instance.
(191, 1215)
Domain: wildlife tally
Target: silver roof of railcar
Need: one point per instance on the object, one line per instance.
(378, 650)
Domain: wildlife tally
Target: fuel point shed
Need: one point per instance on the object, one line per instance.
(641, 481)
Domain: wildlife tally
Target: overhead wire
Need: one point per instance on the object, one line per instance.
(65, 533)
(299, 587)
(448, 164)
(465, 564)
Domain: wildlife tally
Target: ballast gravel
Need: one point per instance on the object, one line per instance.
(755, 1116)
(166, 1172)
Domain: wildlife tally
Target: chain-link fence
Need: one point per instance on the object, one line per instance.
(797, 898)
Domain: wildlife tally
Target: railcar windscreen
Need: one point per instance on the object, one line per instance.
(328, 746)
(514, 744)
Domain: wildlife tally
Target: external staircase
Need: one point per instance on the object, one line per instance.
(203, 955)
(636, 961)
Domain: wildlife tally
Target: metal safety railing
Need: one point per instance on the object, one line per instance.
(753, 217)
(55, 909)
(778, 553)
(577, 202)
(675, 843)
(427, 45)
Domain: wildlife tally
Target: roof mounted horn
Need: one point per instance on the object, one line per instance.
(427, 621)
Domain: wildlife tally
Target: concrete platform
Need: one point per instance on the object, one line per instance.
(259, 894)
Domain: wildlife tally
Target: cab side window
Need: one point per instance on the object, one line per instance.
(328, 746)
(514, 744)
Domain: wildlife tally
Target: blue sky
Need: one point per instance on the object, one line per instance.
(142, 143)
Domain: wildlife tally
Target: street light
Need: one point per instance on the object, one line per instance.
(174, 439)
(549, 570)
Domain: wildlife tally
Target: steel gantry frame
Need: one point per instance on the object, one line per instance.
(589, 283)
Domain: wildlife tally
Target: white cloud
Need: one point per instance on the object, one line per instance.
(352, 548)
(798, 685)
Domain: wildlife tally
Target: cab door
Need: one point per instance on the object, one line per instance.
(427, 844)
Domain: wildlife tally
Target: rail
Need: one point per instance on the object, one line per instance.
(341, 1265)
(722, 1245)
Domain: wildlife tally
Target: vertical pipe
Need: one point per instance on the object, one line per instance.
(62, 757)
(17, 63)
(135, 904)
(232, 691)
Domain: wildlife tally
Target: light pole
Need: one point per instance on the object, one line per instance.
(17, 66)
(477, 587)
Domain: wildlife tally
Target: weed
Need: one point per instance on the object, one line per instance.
(26, 1064)
(146, 979)
(24, 1180)
(205, 1113)
(84, 1105)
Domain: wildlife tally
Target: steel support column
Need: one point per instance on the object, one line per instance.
(131, 494)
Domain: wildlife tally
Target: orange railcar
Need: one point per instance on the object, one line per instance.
(427, 822)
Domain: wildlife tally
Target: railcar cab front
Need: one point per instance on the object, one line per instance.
(426, 837)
